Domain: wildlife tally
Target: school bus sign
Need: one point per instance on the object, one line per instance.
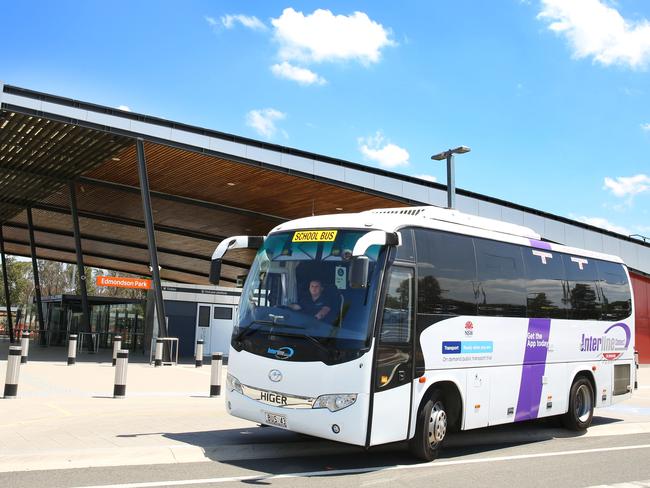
(121, 282)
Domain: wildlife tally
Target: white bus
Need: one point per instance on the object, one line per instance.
(405, 324)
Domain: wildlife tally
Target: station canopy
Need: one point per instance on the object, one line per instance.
(199, 196)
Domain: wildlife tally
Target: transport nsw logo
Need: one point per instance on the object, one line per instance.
(467, 347)
(612, 344)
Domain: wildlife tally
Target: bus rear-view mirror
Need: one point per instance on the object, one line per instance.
(215, 271)
(359, 271)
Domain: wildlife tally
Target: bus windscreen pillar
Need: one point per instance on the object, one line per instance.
(5, 279)
(151, 238)
(85, 309)
(37, 283)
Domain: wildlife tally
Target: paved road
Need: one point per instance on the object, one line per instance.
(571, 462)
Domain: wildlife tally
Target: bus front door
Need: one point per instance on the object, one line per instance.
(393, 377)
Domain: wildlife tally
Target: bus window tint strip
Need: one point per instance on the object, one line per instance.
(502, 284)
(617, 302)
(461, 275)
(446, 273)
(546, 285)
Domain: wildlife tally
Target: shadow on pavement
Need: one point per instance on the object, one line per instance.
(275, 451)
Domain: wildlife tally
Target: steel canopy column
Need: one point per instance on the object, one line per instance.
(37, 283)
(5, 278)
(85, 321)
(151, 238)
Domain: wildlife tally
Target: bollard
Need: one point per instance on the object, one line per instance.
(198, 358)
(117, 345)
(215, 375)
(636, 370)
(119, 390)
(157, 361)
(24, 344)
(72, 349)
(13, 369)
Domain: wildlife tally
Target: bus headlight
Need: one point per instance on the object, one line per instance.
(233, 384)
(335, 402)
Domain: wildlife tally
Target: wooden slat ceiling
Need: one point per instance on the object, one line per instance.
(39, 156)
(205, 177)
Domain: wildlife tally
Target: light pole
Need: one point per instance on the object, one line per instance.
(451, 185)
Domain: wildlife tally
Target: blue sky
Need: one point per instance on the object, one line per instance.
(553, 96)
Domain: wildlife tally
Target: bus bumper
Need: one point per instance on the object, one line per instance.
(350, 422)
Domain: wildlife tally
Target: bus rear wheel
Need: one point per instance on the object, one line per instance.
(431, 429)
(581, 405)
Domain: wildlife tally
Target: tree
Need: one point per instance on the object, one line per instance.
(19, 276)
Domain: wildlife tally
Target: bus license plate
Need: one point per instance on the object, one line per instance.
(276, 419)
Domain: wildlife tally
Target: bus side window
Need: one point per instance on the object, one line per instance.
(446, 273)
(406, 252)
(502, 289)
(398, 307)
(583, 292)
(617, 299)
(546, 285)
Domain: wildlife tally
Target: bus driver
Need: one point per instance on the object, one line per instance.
(316, 303)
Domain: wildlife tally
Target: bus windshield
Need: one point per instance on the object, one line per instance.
(297, 303)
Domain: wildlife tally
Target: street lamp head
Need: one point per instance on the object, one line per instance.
(461, 150)
(445, 154)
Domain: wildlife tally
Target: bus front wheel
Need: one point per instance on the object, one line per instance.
(581, 405)
(431, 430)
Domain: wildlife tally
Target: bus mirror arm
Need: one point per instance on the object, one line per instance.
(236, 242)
(376, 238)
(360, 262)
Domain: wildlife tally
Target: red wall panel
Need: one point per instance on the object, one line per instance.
(641, 287)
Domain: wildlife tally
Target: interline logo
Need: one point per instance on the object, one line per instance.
(611, 344)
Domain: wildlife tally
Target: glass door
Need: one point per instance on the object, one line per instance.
(393, 377)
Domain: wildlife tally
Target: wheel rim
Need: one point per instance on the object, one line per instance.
(583, 403)
(437, 424)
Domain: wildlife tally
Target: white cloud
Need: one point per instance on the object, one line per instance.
(430, 178)
(596, 30)
(211, 21)
(645, 127)
(322, 36)
(229, 21)
(124, 107)
(303, 76)
(627, 186)
(263, 121)
(386, 154)
(603, 224)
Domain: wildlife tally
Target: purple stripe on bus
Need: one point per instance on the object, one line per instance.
(540, 244)
(530, 388)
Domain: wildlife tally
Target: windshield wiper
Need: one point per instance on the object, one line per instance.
(304, 336)
(250, 329)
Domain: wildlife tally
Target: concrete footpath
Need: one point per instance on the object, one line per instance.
(65, 417)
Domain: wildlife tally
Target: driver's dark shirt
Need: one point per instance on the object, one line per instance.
(312, 307)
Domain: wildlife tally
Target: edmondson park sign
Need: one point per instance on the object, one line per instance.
(120, 282)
